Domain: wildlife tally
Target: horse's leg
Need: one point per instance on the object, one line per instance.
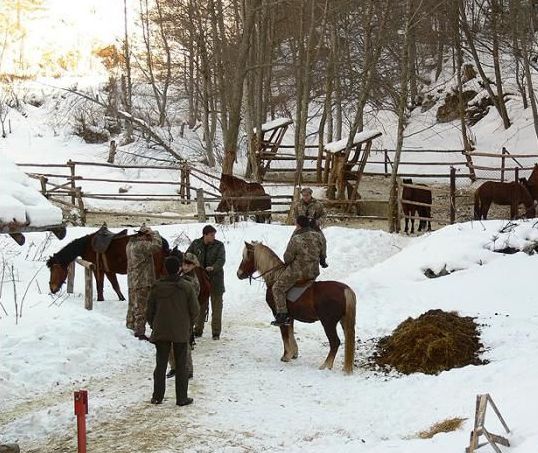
(413, 224)
(330, 330)
(114, 281)
(99, 281)
(513, 210)
(286, 332)
(294, 347)
(485, 209)
(406, 230)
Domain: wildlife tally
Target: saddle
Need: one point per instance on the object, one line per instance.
(298, 290)
(103, 237)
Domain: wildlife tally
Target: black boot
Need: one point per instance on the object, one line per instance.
(323, 263)
(281, 319)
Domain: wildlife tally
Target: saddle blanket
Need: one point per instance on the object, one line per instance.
(297, 291)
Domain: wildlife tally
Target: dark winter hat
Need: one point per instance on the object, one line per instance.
(208, 229)
(172, 265)
(307, 190)
(303, 221)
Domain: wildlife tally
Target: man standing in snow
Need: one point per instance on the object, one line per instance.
(140, 276)
(187, 273)
(302, 263)
(171, 312)
(314, 210)
(211, 256)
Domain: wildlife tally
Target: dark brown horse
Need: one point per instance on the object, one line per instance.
(505, 194)
(532, 183)
(329, 302)
(232, 187)
(410, 210)
(115, 257)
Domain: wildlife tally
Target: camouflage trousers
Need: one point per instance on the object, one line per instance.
(189, 366)
(323, 242)
(136, 309)
(284, 283)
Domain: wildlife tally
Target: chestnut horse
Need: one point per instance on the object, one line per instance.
(116, 262)
(505, 194)
(232, 187)
(329, 302)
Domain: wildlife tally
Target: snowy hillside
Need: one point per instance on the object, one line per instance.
(245, 398)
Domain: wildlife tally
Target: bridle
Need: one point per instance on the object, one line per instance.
(278, 266)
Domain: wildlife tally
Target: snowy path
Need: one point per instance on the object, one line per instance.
(245, 398)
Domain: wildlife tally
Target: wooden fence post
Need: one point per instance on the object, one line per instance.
(88, 287)
(386, 154)
(71, 166)
(43, 180)
(200, 206)
(516, 174)
(112, 152)
(503, 163)
(452, 195)
(80, 203)
(188, 181)
(71, 277)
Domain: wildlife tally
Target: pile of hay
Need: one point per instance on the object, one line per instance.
(436, 341)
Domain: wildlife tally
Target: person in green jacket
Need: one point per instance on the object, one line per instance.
(211, 256)
(171, 312)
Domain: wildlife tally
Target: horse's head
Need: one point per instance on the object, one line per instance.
(248, 264)
(58, 274)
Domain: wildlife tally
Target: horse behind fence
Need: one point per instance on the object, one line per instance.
(414, 194)
(242, 197)
(505, 194)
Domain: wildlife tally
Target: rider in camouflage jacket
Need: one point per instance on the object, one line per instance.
(302, 263)
(309, 207)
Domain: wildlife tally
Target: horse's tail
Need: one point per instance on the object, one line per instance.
(348, 323)
(477, 214)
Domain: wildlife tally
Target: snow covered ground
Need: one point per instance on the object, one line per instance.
(245, 398)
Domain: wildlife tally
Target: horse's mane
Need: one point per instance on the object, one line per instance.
(71, 251)
(264, 257)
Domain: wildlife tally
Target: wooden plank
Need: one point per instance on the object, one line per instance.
(71, 277)
(494, 406)
(487, 435)
(88, 288)
(500, 155)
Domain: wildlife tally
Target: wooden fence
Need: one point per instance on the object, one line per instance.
(380, 164)
(66, 189)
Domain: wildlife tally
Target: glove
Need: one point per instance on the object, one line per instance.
(323, 263)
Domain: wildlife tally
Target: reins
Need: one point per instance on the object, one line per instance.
(279, 265)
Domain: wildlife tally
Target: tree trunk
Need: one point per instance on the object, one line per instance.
(402, 102)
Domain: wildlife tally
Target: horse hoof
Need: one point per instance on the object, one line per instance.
(322, 367)
(294, 356)
(284, 359)
(122, 298)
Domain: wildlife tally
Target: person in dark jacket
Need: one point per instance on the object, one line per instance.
(171, 313)
(211, 256)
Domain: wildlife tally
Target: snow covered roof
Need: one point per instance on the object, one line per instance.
(22, 207)
(277, 122)
(361, 137)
